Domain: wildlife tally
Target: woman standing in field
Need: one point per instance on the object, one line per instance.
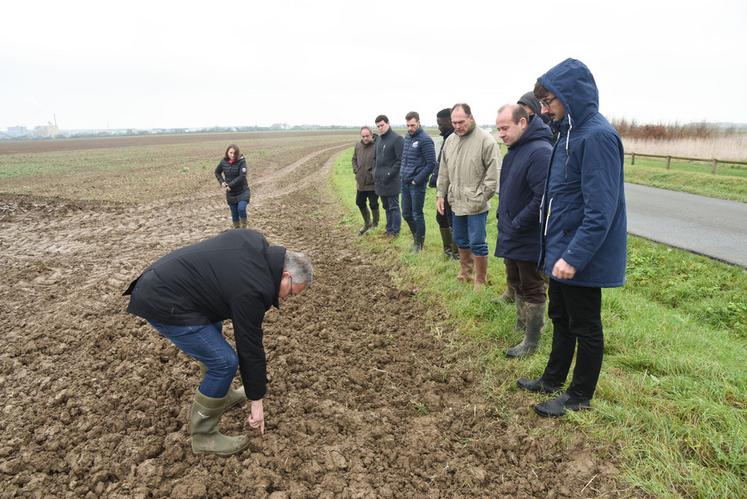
(231, 174)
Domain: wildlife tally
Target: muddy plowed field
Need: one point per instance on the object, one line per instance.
(371, 393)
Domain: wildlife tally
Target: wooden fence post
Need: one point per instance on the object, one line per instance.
(632, 158)
(713, 169)
(669, 162)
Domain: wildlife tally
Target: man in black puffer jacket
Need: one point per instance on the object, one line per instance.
(231, 174)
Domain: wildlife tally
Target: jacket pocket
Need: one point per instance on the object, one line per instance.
(475, 198)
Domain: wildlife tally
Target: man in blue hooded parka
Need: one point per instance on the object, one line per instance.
(583, 233)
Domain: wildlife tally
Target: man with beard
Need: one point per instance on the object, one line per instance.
(418, 161)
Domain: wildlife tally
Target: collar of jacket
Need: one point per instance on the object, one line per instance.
(536, 130)
(275, 256)
(446, 134)
(418, 133)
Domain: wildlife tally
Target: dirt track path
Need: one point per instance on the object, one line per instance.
(367, 398)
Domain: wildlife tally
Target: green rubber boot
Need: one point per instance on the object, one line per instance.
(203, 426)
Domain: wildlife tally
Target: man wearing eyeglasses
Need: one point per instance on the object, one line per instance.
(386, 174)
(583, 233)
(187, 294)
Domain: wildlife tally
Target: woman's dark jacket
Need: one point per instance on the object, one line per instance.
(523, 176)
(235, 275)
(235, 176)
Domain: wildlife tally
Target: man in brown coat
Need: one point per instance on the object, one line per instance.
(363, 165)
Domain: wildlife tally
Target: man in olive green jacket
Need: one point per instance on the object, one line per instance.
(468, 174)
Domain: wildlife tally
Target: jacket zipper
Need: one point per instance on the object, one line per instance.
(547, 220)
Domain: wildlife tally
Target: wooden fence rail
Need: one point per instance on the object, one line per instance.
(714, 162)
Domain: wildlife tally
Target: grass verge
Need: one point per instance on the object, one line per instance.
(728, 183)
(673, 390)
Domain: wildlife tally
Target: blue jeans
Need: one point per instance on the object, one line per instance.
(413, 198)
(205, 343)
(470, 233)
(238, 210)
(391, 208)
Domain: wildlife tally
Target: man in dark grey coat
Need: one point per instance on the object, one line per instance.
(386, 174)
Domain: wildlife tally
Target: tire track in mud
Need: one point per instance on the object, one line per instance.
(367, 398)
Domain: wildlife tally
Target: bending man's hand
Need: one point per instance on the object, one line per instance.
(256, 417)
(563, 270)
(440, 205)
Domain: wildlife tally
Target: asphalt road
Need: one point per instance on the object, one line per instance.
(712, 227)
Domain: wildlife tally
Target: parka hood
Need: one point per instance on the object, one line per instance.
(572, 83)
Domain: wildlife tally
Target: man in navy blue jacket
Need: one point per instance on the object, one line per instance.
(522, 182)
(418, 162)
(583, 233)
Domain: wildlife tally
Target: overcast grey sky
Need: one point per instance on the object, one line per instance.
(149, 64)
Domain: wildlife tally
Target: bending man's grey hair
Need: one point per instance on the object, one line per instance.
(299, 267)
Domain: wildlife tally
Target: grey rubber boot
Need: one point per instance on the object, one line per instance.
(203, 426)
(366, 221)
(535, 321)
(233, 397)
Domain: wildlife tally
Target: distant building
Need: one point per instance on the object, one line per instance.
(18, 132)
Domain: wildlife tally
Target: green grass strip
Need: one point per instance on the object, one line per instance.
(728, 183)
(673, 391)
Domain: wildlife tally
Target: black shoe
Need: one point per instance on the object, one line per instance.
(537, 385)
(557, 407)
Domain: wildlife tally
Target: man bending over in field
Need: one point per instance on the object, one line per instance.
(187, 294)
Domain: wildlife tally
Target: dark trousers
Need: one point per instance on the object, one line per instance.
(413, 198)
(526, 279)
(576, 317)
(445, 221)
(393, 217)
(362, 196)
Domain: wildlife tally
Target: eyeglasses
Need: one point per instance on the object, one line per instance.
(547, 102)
